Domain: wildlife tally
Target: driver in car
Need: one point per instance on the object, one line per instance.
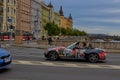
(76, 49)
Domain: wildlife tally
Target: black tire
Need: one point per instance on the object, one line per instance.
(93, 57)
(53, 56)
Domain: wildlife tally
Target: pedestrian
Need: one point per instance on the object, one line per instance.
(28, 39)
(43, 38)
(49, 41)
(90, 46)
(84, 45)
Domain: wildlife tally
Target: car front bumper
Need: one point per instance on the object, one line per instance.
(4, 63)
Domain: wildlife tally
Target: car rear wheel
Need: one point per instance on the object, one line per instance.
(53, 56)
(93, 58)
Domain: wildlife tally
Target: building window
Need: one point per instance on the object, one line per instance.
(8, 1)
(14, 11)
(14, 2)
(8, 9)
(1, 0)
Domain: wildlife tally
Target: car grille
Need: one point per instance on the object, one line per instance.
(3, 57)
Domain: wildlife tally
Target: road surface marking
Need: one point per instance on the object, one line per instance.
(66, 64)
(28, 56)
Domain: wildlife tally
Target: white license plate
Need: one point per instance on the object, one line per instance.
(7, 59)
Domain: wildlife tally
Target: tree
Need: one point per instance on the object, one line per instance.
(52, 29)
(63, 31)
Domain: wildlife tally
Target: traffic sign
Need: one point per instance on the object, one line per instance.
(10, 20)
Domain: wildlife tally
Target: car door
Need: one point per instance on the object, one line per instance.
(67, 53)
(78, 53)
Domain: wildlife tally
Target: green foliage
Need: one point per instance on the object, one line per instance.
(72, 32)
(54, 30)
(76, 32)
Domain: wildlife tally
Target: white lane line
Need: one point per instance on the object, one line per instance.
(93, 66)
(116, 67)
(29, 56)
(65, 64)
(47, 63)
(71, 65)
(26, 62)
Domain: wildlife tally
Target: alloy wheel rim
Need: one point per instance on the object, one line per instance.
(93, 58)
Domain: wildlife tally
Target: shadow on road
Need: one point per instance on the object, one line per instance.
(5, 70)
(76, 61)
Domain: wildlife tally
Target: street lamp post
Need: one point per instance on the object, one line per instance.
(11, 32)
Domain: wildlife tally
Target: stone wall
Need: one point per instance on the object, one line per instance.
(106, 45)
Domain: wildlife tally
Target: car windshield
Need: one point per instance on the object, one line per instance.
(72, 46)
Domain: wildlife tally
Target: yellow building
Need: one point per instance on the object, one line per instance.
(49, 15)
(69, 22)
(51, 12)
(57, 18)
(65, 22)
(45, 12)
(53, 16)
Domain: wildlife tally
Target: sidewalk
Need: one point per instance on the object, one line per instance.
(35, 45)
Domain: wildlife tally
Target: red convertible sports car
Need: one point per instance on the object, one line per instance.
(74, 52)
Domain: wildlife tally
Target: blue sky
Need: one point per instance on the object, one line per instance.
(92, 16)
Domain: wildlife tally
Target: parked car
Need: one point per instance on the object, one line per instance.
(72, 52)
(5, 58)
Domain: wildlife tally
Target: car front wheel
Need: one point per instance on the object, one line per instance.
(53, 56)
(93, 58)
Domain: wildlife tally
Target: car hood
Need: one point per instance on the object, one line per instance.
(3, 52)
(56, 48)
(96, 50)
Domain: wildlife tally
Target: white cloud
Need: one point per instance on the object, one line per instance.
(110, 20)
(115, 1)
(109, 10)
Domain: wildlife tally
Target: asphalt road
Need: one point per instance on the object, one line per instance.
(30, 64)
